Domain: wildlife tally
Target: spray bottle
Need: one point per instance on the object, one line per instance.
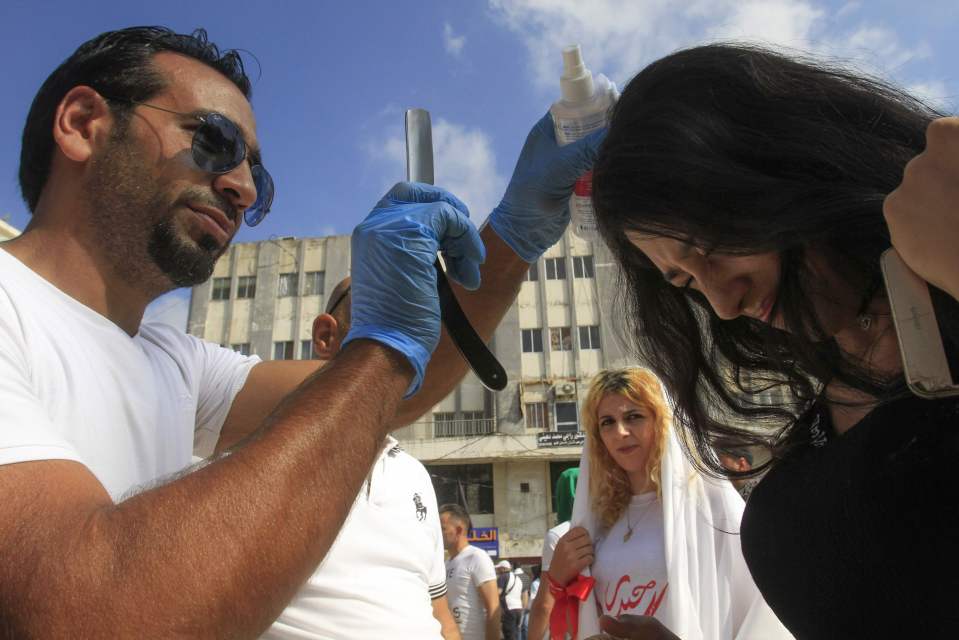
(582, 109)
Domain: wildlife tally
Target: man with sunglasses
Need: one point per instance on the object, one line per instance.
(139, 156)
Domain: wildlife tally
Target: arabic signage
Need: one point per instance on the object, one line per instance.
(560, 438)
(486, 538)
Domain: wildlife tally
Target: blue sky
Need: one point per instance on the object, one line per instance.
(335, 77)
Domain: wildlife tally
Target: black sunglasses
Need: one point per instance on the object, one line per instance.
(218, 147)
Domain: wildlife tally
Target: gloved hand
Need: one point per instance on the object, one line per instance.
(535, 209)
(394, 299)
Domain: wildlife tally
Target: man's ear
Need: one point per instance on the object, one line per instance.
(326, 342)
(81, 120)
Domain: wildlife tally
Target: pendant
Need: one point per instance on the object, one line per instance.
(628, 535)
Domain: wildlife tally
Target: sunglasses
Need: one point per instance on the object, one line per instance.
(218, 147)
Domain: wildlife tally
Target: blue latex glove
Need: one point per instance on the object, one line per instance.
(394, 299)
(534, 212)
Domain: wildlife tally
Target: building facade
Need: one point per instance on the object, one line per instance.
(499, 453)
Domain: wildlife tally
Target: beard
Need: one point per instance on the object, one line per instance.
(133, 217)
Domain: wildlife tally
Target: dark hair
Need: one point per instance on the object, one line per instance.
(742, 150)
(117, 64)
(458, 512)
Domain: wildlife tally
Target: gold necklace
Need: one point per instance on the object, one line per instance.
(629, 525)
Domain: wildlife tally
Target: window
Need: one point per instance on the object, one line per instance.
(246, 287)
(537, 416)
(566, 417)
(241, 348)
(446, 424)
(306, 350)
(583, 267)
(555, 268)
(533, 274)
(560, 339)
(283, 350)
(532, 340)
(459, 483)
(314, 283)
(589, 337)
(288, 285)
(221, 288)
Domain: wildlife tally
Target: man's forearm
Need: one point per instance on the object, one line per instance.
(494, 624)
(219, 553)
(502, 274)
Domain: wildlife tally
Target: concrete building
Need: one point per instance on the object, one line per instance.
(499, 453)
(7, 231)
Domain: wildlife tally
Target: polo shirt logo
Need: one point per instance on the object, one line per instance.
(420, 507)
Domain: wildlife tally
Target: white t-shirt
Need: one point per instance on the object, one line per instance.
(385, 567)
(551, 540)
(631, 574)
(74, 386)
(465, 572)
(514, 592)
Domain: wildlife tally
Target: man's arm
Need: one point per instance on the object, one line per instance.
(269, 382)
(490, 598)
(441, 611)
(217, 553)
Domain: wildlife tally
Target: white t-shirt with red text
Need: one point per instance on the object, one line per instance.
(630, 569)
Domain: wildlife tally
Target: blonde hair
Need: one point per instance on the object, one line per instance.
(609, 487)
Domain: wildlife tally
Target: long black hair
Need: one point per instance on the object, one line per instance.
(741, 150)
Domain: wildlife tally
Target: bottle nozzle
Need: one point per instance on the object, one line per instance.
(576, 82)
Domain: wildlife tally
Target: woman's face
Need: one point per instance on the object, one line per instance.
(628, 432)
(747, 285)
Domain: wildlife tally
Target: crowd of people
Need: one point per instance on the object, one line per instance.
(746, 195)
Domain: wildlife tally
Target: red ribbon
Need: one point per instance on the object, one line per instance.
(565, 614)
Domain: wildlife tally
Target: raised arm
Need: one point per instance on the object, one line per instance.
(219, 552)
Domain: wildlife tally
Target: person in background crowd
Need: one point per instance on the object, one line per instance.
(659, 539)
(738, 460)
(542, 602)
(510, 590)
(748, 196)
(370, 584)
(470, 578)
(525, 580)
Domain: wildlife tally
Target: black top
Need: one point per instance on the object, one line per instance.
(857, 536)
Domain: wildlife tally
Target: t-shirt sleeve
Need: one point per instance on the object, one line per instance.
(437, 571)
(549, 546)
(26, 433)
(483, 571)
(218, 374)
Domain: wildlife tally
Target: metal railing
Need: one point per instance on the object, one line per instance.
(463, 428)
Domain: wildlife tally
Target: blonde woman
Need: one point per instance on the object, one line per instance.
(660, 541)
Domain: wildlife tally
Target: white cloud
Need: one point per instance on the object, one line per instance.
(464, 164)
(619, 37)
(171, 308)
(453, 43)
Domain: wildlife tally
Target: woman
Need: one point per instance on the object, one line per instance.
(660, 540)
(742, 192)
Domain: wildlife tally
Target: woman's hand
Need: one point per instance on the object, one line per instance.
(574, 552)
(923, 212)
(629, 627)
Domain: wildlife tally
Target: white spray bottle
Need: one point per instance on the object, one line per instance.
(582, 109)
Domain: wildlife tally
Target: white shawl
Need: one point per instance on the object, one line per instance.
(711, 594)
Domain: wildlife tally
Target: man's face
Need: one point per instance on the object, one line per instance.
(163, 221)
(451, 528)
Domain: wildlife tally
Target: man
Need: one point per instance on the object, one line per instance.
(470, 578)
(510, 589)
(735, 457)
(385, 572)
(139, 156)
(526, 582)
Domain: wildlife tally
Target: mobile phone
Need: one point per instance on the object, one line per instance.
(930, 358)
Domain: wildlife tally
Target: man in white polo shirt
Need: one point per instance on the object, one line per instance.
(470, 578)
(384, 575)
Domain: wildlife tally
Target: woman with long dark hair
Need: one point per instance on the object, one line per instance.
(741, 191)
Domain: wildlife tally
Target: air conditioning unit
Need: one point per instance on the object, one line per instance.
(564, 389)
